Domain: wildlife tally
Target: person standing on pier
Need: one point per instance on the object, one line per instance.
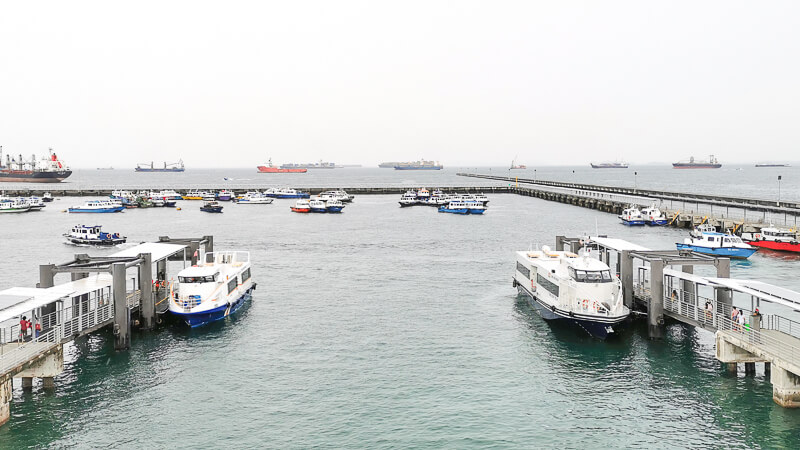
(24, 325)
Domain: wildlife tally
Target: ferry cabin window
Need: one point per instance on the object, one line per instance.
(205, 279)
(710, 239)
(245, 275)
(232, 285)
(590, 276)
(523, 270)
(547, 284)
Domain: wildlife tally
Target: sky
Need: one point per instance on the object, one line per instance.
(233, 83)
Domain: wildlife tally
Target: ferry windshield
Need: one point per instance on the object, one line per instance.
(590, 276)
(206, 279)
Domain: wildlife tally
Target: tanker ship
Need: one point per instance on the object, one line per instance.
(48, 169)
(173, 167)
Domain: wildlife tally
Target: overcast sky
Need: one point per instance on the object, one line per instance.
(232, 83)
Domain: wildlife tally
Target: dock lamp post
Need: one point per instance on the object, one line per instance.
(635, 184)
(779, 191)
(534, 175)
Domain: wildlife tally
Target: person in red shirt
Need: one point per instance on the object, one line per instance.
(24, 325)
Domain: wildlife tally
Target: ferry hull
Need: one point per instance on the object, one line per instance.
(454, 211)
(418, 168)
(601, 328)
(265, 169)
(99, 210)
(632, 223)
(199, 319)
(728, 252)
(300, 210)
(147, 169)
(335, 209)
(656, 223)
(695, 166)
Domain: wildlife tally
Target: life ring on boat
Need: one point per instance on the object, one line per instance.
(585, 303)
(594, 305)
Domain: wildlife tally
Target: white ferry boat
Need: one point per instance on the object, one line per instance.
(254, 198)
(93, 235)
(98, 206)
(571, 288)
(654, 216)
(342, 196)
(214, 290)
(165, 194)
(409, 199)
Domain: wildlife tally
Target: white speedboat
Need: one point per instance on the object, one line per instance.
(212, 290)
(654, 216)
(563, 286)
(631, 216)
(98, 206)
(93, 235)
(254, 198)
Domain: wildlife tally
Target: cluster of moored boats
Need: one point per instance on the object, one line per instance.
(446, 203)
(707, 240)
(23, 204)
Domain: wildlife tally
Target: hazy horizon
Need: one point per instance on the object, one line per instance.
(467, 84)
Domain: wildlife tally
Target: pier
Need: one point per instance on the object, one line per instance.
(99, 295)
(685, 210)
(663, 285)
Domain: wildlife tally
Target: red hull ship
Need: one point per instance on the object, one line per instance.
(269, 168)
(774, 239)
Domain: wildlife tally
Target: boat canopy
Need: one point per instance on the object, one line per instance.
(157, 250)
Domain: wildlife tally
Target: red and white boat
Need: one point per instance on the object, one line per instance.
(301, 206)
(269, 168)
(784, 240)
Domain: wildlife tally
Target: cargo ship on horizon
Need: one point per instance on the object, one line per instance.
(767, 164)
(712, 163)
(317, 165)
(168, 167)
(418, 165)
(388, 165)
(269, 168)
(610, 165)
(48, 169)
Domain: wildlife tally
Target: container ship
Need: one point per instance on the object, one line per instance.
(388, 165)
(48, 169)
(168, 167)
(269, 168)
(712, 163)
(418, 165)
(610, 165)
(318, 165)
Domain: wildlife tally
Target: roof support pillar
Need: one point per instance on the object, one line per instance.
(122, 315)
(147, 304)
(626, 275)
(655, 313)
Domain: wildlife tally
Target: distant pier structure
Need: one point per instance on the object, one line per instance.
(101, 293)
(663, 285)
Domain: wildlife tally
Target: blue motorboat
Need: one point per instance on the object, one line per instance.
(455, 207)
(653, 216)
(98, 206)
(718, 244)
(211, 207)
(317, 206)
(631, 216)
(286, 193)
(334, 206)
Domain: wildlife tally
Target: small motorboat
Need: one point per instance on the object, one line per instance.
(196, 194)
(631, 216)
(254, 198)
(340, 195)
(301, 206)
(286, 193)
(98, 206)
(456, 207)
(93, 235)
(780, 239)
(654, 216)
(317, 206)
(162, 202)
(47, 197)
(334, 206)
(718, 244)
(697, 232)
(211, 206)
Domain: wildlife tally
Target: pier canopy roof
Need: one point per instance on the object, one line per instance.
(764, 291)
(157, 250)
(17, 301)
(615, 244)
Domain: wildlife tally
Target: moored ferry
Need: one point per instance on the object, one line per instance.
(780, 239)
(654, 216)
(93, 235)
(98, 206)
(631, 216)
(718, 244)
(214, 290)
(563, 286)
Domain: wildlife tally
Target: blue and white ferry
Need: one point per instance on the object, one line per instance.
(718, 244)
(214, 290)
(631, 216)
(286, 193)
(563, 286)
(98, 206)
(455, 207)
(653, 216)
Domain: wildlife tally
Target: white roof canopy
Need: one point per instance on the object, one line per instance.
(157, 250)
(616, 244)
(17, 301)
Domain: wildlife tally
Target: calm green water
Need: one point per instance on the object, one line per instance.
(381, 328)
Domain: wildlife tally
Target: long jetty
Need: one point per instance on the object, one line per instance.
(684, 210)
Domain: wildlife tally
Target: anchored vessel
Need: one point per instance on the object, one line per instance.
(610, 165)
(214, 290)
(515, 166)
(318, 165)
(269, 168)
(48, 169)
(92, 235)
(712, 163)
(576, 289)
(388, 165)
(718, 244)
(168, 167)
(418, 165)
(772, 165)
